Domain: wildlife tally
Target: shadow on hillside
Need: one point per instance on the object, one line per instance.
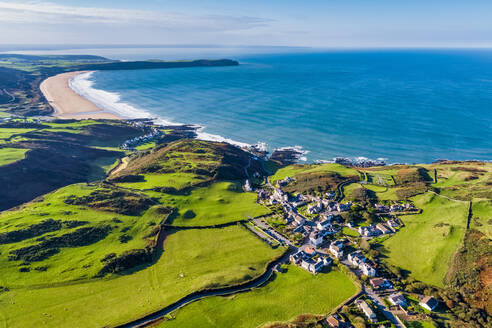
(156, 254)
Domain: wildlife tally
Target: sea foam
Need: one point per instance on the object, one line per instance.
(82, 84)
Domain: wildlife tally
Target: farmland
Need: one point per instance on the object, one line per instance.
(433, 237)
(222, 202)
(288, 295)
(191, 260)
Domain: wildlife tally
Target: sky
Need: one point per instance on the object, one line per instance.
(305, 23)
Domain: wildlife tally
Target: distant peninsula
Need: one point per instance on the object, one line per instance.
(22, 75)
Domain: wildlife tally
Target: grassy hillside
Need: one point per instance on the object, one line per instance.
(315, 178)
(426, 244)
(219, 203)
(482, 216)
(61, 153)
(463, 180)
(191, 260)
(10, 155)
(285, 297)
(185, 163)
(114, 229)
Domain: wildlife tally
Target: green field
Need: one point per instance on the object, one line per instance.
(482, 216)
(463, 180)
(6, 133)
(427, 242)
(292, 170)
(177, 180)
(192, 260)
(10, 155)
(287, 296)
(420, 324)
(349, 232)
(70, 263)
(222, 202)
(146, 146)
(382, 192)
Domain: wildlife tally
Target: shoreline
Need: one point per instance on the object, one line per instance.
(68, 104)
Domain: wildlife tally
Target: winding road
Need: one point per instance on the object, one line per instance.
(247, 286)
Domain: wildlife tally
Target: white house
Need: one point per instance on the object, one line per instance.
(313, 266)
(322, 225)
(429, 303)
(369, 313)
(336, 251)
(247, 186)
(356, 258)
(316, 238)
(315, 208)
(384, 229)
(397, 299)
(344, 207)
(367, 269)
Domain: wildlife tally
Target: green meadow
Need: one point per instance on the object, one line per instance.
(191, 260)
(281, 299)
(382, 192)
(6, 133)
(219, 203)
(427, 242)
(482, 216)
(178, 180)
(292, 170)
(463, 180)
(10, 155)
(78, 263)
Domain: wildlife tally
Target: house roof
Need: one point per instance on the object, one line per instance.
(332, 321)
(377, 282)
(397, 298)
(429, 301)
(309, 250)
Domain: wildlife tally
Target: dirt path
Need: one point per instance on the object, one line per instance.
(123, 165)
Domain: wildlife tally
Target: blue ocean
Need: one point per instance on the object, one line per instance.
(405, 106)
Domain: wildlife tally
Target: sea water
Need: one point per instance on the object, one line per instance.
(406, 106)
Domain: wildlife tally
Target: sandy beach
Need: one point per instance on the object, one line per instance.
(67, 104)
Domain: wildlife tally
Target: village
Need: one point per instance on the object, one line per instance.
(318, 239)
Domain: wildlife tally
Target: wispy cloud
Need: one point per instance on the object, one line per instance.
(51, 13)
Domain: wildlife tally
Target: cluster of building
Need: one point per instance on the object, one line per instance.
(134, 142)
(327, 205)
(357, 259)
(316, 254)
(310, 260)
(374, 230)
(396, 207)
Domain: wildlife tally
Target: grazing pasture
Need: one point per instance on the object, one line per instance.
(288, 295)
(191, 260)
(425, 245)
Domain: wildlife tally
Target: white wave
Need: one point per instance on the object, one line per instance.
(106, 101)
(297, 149)
(261, 146)
(214, 137)
(111, 102)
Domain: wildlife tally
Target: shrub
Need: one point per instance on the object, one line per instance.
(51, 246)
(126, 260)
(34, 230)
(125, 238)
